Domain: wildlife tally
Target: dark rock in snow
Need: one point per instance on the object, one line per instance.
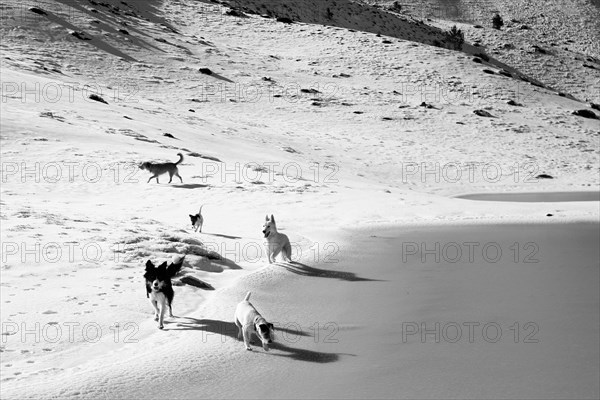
(426, 105)
(585, 114)
(79, 35)
(38, 11)
(97, 98)
(193, 281)
(235, 13)
(483, 113)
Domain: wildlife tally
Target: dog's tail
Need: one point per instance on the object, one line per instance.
(180, 158)
(200, 212)
(247, 296)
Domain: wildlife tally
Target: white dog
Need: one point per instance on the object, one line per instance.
(249, 321)
(276, 242)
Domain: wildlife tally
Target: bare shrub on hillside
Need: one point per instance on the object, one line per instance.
(497, 21)
(457, 37)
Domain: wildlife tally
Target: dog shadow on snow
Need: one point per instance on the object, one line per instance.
(189, 185)
(303, 269)
(223, 236)
(282, 337)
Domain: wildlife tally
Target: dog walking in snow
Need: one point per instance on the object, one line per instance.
(157, 169)
(276, 242)
(249, 322)
(197, 220)
(159, 288)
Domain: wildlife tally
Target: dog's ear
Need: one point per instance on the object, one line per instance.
(162, 266)
(272, 218)
(266, 217)
(272, 326)
(149, 265)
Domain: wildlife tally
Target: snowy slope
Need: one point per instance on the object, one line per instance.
(555, 42)
(319, 123)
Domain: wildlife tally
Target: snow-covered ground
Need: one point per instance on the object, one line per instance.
(320, 123)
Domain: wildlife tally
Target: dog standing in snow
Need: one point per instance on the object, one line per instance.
(159, 289)
(249, 321)
(276, 242)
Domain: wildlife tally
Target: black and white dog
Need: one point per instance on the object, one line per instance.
(159, 288)
(197, 220)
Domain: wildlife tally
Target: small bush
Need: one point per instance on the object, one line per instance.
(457, 37)
(497, 21)
(328, 14)
(396, 7)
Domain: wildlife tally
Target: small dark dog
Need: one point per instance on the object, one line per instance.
(159, 288)
(158, 169)
(197, 220)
